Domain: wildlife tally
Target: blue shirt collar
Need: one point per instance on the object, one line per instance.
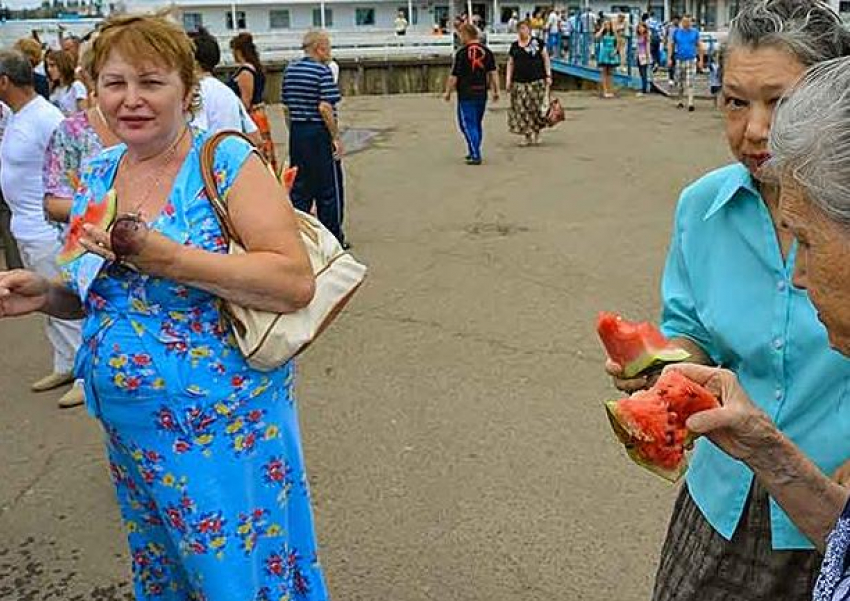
(739, 179)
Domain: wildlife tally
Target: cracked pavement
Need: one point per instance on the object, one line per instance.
(452, 419)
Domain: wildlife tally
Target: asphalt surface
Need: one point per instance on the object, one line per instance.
(453, 423)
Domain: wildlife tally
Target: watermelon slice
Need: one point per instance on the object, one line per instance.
(100, 214)
(636, 346)
(651, 423)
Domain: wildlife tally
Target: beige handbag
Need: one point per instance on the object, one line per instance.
(267, 339)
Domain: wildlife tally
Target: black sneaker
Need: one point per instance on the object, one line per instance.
(471, 161)
(680, 106)
(691, 109)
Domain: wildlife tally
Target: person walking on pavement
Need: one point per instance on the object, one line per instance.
(310, 96)
(10, 248)
(473, 74)
(22, 156)
(685, 46)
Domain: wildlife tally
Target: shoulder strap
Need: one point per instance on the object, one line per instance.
(211, 186)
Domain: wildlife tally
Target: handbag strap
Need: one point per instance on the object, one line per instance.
(215, 196)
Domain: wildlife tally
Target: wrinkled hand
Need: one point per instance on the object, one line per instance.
(22, 292)
(629, 385)
(738, 427)
(339, 151)
(842, 475)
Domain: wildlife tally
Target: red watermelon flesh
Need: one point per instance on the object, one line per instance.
(636, 346)
(99, 214)
(651, 423)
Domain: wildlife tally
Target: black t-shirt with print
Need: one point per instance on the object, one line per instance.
(528, 61)
(472, 64)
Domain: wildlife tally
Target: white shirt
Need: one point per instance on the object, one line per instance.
(66, 97)
(21, 165)
(5, 113)
(400, 24)
(334, 67)
(221, 108)
(554, 22)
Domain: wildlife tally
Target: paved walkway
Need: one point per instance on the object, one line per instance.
(453, 422)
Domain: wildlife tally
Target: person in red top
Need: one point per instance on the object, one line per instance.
(473, 74)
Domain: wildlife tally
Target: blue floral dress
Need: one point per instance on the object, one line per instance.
(834, 581)
(204, 451)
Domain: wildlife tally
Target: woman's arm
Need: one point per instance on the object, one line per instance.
(58, 208)
(743, 431)
(547, 65)
(509, 74)
(274, 275)
(23, 292)
(245, 81)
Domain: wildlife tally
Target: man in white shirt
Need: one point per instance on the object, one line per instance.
(22, 151)
(401, 24)
(553, 33)
(10, 247)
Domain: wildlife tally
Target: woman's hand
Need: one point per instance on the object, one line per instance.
(22, 292)
(131, 240)
(738, 427)
(842, 474)
(628, 385)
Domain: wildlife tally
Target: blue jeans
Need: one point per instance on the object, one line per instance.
(318, 179)
(553, 44)
(470, 118)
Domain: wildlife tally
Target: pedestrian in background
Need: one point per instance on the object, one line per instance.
(248, 82)
(473, 75)
(670, 30)
(401, 24)
(528, 79)
(553, 33)
(311, 96)
(22, 157)
(31, 49)
(67, 92)
(10, 248)
(643, 55)
(608, 58)
(688, 53)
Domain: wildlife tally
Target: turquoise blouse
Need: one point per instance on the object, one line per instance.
(727, 288)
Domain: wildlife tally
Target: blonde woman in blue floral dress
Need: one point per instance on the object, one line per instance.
(204, 451)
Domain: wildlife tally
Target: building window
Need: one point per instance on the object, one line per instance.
(279, 19)
(414, 20)
(240, 20)
(192, 21)
(317, 17)
(364, 17)
(844, 7)
(507, 12)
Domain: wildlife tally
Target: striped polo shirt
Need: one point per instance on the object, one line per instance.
(306, 83)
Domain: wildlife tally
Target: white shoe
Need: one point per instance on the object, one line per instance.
(52, 381)
(73, 398)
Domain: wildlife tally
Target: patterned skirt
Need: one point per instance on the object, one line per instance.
(261, 120)
(524, 116)
(698, 564)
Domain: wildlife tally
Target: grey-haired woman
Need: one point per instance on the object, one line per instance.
(810, 145)
(729, 300)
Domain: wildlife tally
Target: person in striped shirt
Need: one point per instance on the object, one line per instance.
(310, 95)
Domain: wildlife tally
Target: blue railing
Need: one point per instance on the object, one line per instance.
(579, 55)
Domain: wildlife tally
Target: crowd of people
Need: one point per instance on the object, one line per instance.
(205, 451)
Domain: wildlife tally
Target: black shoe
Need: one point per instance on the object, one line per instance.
(680, 106)
(471, 161)
(691, 109)
(467, 157)
(346, 245)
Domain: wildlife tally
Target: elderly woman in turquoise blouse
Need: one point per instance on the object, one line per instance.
(204, 451)
(728, 299)
(810, 148)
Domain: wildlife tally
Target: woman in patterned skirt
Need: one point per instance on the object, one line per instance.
(529, 77)
(728, 299)
(204, 451)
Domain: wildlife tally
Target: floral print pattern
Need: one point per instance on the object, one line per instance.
(204, 451)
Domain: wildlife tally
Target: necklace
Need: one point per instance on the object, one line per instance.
(167, 157)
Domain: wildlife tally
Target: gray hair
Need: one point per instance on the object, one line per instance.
(810, 137)
(809, 29)
(16, 67)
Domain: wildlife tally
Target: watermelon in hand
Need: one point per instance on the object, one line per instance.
(651, 423)
(636, 346)
(100, 214)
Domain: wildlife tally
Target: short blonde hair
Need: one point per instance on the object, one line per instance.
(145, 39)
(30, 49)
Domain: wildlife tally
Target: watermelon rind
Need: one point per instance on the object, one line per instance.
(72, 250)
(650, 361)
(669, 475)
